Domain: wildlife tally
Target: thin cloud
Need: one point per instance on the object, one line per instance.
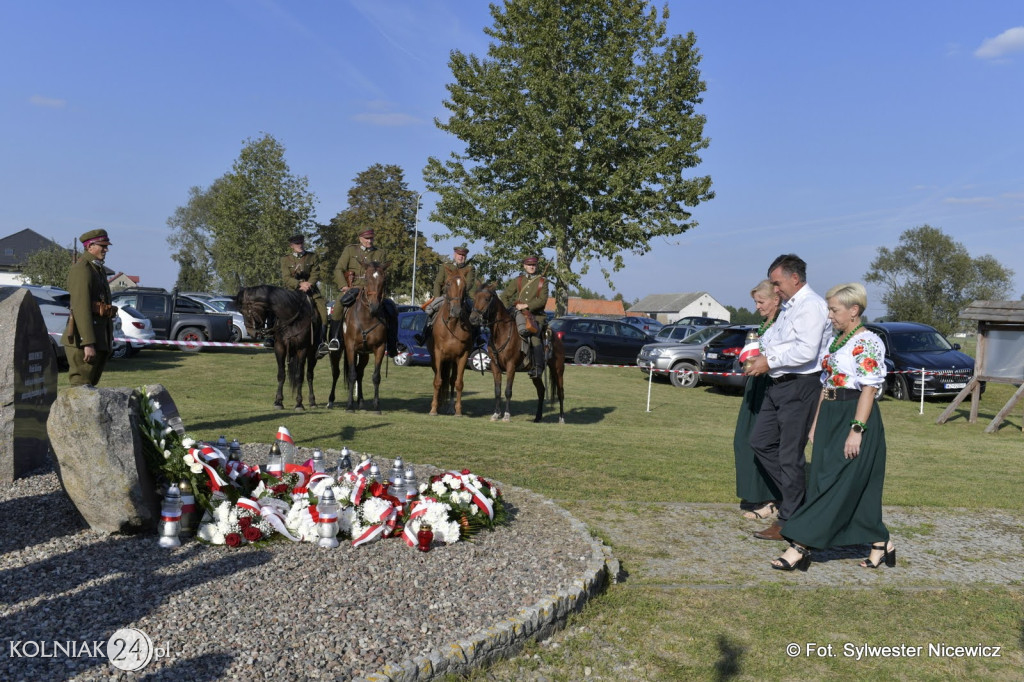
(386, 119)
(968, 200)
(48, 102)
(1011, 40)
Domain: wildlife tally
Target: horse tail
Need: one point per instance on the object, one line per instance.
(294, 372)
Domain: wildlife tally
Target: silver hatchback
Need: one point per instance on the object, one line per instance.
(681, 360)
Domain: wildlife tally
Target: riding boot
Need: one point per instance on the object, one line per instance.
(537, 370)
(390, 318)
(322, 349)
(334, 345)
(421, 337)
(268, 341)
(392, 342)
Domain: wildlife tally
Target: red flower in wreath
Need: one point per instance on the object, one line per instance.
(465, 472)
(280, 488)
(858, 349)
(376, 489)
(232, 539)
(251, 533)
(869, 364)
(244, 522)
(839, 380)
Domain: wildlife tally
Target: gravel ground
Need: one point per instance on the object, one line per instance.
(289, 611)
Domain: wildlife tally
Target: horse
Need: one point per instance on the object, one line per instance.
(505, 349)
(295, 325)
(363, 334)
(449, 344)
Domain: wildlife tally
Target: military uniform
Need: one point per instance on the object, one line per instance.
(92, 315)
(533, 291)
(305, 267)
(351, 272)
(468, 273)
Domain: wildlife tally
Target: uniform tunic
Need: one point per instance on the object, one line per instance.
(844, 496)
(87, 284)
(354, 259)
(468, 274)
(304, 267)
(533, 291)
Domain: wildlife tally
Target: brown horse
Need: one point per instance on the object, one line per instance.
(289, 316)
(505, 349)
(363, 334)
(449, 344)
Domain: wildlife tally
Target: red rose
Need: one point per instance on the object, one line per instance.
(278, 489)
(244, 522)
(465, 472)
(839, 380)
(376, 489)
(232, 539)
(869, 364)
(252, 533)
(857, 350)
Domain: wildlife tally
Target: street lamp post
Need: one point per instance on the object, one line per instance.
(415, 243)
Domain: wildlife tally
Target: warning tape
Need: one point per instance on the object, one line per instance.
(189, 344)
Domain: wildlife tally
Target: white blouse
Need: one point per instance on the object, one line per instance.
(860, 362)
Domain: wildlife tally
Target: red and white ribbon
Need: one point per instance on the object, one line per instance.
(216, 482)
(481, 500)
(418, 510)
(750, 350)
(285, 435)
(385, 524)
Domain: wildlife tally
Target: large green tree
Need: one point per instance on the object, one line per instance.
(930, 278)
(380, 199)
(580, 128)
(48, 266)
(237, 229)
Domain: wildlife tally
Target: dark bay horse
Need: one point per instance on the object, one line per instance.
(449, 344)
(289, 316)
(363, 334)
(505, 349)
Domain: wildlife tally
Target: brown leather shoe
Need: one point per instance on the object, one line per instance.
(772, 532)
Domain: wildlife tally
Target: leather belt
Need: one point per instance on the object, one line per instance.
(789, 377)
(837, 393)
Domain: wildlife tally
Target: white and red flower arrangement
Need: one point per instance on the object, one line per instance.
(246, 505)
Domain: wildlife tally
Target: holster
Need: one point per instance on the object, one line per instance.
(350, 277)
(531, 323)
(104, 310)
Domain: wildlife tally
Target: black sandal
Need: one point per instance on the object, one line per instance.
(888, 556)
(803, 564)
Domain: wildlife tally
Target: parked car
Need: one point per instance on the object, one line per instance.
(225, 304)
(910, 347)
(675, 332)
(722, 355)
(53, 304)
(176, 317)
(591, 339)
(411, 323)
(238, 330)
(119, 349)
(134, 326)
(647, 325)
(699, 321)
(682, 357)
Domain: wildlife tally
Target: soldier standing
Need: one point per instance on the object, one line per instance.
(89, 335)
(528, 294)
(300, 270)
(350, 274)
(458, 263)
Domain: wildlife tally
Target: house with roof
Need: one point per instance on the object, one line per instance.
(123, 281)
(15, 250)
(666, 308)
(588, 306)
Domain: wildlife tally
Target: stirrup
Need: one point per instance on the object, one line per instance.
(333, 346)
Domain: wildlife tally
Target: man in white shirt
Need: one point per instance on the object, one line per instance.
(791, 354)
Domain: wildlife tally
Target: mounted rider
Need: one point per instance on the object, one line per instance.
(458, 264)
(300, 271)
(528, 295)
(350, 276)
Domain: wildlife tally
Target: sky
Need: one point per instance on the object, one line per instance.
(834, 127)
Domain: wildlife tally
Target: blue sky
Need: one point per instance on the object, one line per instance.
(834, 126)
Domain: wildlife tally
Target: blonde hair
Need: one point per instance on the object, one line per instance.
(849, 295)
(764, 287)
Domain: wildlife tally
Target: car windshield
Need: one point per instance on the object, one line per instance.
(132, 311)
(702, 337)
(919, 342)
(224, 305)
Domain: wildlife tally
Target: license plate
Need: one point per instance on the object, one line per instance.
(952, 386)
(712, 356)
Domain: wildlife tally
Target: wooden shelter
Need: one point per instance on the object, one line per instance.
(1000, 355)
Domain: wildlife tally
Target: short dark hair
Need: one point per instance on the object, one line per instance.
(791, 264)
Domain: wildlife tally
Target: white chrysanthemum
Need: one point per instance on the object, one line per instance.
(187, 442)
(452, 482)
(374, 508)
(473, 480)
(345, 519)
(423, 488)
(473, 509)
(439, 488)
(211, 533)
(193, 464)
(447, 532)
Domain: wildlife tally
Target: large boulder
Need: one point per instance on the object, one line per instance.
(28, 384)
(99, 458)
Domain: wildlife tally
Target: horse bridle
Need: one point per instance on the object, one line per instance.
(490, 319)
(263, 332)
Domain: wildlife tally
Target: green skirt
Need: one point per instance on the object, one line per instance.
(843, 505)
(752, 482)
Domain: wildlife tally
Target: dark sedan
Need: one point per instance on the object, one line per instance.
(722, 358)
(590, 339)
(911, 347)
(411, 323)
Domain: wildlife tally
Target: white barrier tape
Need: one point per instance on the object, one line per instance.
(167, 342)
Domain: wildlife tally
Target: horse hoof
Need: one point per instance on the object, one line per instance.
(561, 420)
(300, 408)
(432, 414)
(507, 418)
(495, 417)
(350, 409)
(278, 406)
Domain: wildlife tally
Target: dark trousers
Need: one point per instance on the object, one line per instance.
(780, 435)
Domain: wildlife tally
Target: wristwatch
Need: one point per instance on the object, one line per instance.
(857, 426)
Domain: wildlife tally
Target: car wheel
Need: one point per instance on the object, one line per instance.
(684, 375)
(402, 359)
(236, 334)
(900, 390)
(480, 360)
(192, 336)
(120, 351)
(584, 355)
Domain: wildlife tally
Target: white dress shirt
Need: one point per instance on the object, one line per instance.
(799, 339)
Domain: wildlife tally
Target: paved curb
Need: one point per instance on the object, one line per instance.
(506, 637)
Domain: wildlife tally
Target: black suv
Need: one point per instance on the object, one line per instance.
(722, 355)
(911, 347)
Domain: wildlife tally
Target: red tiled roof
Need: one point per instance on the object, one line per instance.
(589, 306)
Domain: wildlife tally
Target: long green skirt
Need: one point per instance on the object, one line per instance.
(752, 482)
(844, 496)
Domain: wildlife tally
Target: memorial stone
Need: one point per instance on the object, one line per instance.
(28, 384)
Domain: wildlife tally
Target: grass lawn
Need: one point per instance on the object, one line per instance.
(614, 450)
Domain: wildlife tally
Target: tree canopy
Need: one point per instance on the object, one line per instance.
(48, 266)
(380, 199)
(930, 278)
(579, 127)
(236, 231)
